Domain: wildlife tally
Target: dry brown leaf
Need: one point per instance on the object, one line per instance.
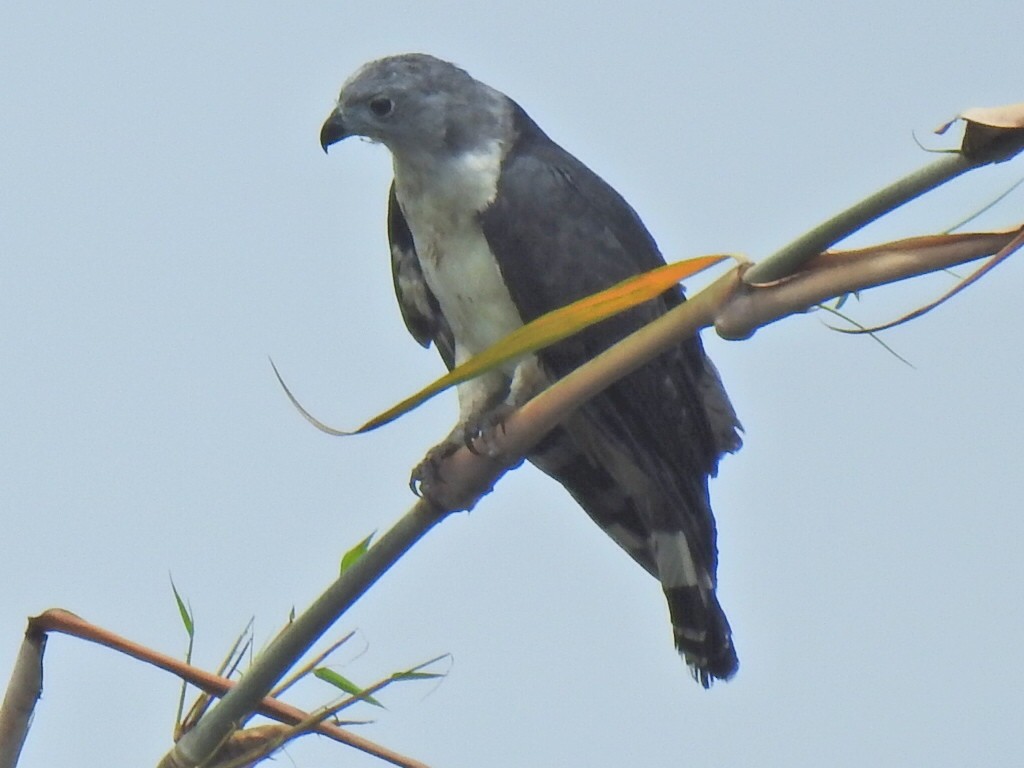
(1004, 253)
(991, 134)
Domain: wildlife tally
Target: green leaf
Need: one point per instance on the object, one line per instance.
(416, 675)
(352, 556)
(338, 681)
(186, 613)
(190, 629)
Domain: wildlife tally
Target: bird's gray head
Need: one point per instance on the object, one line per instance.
(416, 103)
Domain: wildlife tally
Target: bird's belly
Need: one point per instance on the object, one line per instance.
(463, 275)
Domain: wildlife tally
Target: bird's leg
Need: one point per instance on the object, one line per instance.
(483, 431)
(484, 404)
(477, 397)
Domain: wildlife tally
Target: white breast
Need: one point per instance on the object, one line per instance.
(441, 204)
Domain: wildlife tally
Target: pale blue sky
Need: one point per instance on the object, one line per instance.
(167, 220)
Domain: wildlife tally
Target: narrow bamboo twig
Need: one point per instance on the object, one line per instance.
(272, 664)
(267, 741)
(226, 669)
(309, 666)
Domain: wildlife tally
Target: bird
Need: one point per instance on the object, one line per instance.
(492, 224)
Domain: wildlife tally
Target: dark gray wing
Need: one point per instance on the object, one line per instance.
(420, 310)
(560, 233)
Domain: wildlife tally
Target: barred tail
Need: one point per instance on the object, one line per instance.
(702, 634)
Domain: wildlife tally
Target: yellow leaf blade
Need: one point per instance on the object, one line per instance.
(553, 327)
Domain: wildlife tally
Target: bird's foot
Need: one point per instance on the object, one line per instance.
(482, 433)
(425, 478)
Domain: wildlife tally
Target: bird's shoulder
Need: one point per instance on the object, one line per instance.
(557, 230)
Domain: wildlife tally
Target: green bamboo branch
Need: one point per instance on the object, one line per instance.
(789, 259)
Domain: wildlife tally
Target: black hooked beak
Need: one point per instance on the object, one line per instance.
(333, 130)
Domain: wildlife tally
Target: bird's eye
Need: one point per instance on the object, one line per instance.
(381, 106)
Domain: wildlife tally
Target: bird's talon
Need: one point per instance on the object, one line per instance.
(481, 432)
